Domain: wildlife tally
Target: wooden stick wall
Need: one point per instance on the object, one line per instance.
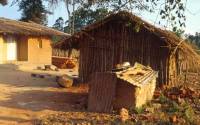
(115, 43)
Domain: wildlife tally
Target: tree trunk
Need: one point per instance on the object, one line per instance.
(71, 21)
(69, 15)
(73, 16)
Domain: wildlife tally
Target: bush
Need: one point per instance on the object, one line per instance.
(137, 110)
(189, 114)
(174, 107)
(163, 98)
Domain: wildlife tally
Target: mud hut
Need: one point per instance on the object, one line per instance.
(26, 42)
(124, 37)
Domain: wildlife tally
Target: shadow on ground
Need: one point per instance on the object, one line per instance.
(23, 97)
(11, 76)
(43, 100)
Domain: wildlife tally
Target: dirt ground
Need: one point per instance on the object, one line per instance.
(28, 100)
(24, 98)
(176, 105)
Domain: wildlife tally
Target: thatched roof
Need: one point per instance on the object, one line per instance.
(9, 26)
(174, 42)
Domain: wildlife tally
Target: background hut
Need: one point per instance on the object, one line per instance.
(123, 37)
(26, 42)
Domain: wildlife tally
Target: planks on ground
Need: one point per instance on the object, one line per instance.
(102, 92)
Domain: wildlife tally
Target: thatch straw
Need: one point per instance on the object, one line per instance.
(26, 28)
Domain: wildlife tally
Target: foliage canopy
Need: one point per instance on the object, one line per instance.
(33, 10)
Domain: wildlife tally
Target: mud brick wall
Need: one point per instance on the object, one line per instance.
(39, 50)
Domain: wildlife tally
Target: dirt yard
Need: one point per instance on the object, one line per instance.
(176, 105)
(24, 98)
(28, 100)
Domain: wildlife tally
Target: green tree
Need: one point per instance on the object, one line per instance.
(179, 32)
(85, 16)
(70, 6)
(33, 10)
(59, 24)
(195, 39)
(170, 11)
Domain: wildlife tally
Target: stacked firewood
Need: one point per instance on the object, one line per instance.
(177, 93)
(70, 64)
(64, 63)
(182, 92)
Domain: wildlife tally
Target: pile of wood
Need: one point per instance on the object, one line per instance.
(181, 92)
(70, 64)
(177, 93)
(64, 62)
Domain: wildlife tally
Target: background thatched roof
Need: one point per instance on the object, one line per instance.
(23, 28)
(175, 43)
